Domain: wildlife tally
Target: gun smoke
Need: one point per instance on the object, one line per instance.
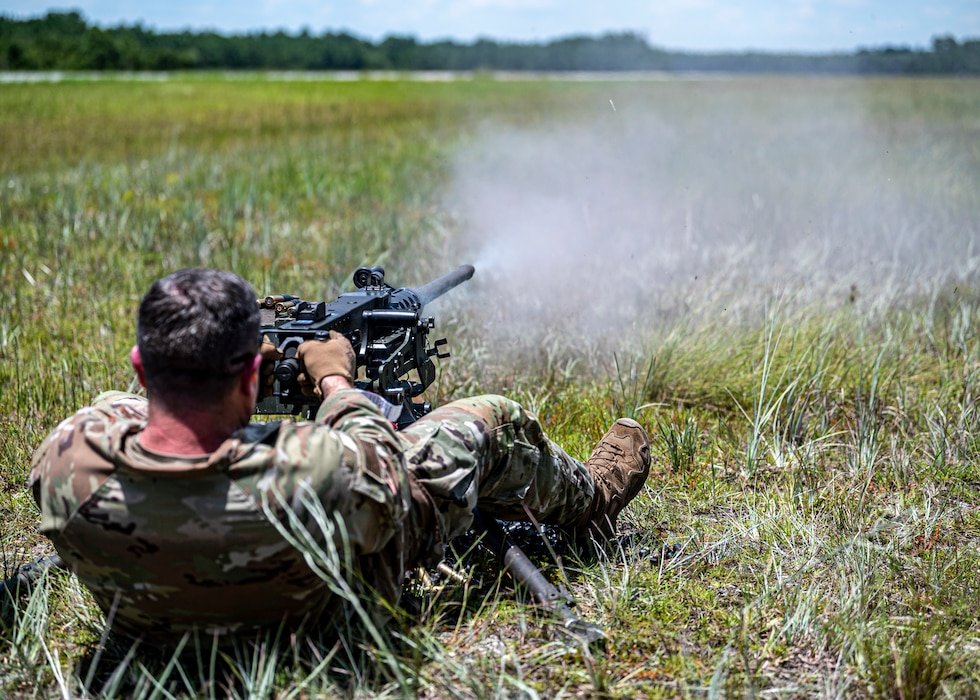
(669, 202)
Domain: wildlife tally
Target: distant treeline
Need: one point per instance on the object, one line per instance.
(65, 41)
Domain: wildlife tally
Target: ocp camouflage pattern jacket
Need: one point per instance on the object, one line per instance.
(171, 544)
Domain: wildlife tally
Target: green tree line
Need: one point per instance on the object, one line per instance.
(65, 41)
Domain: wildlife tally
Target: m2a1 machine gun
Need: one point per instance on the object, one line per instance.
(386, 328)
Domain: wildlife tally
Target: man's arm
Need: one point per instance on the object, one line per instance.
(346, 409)
(331, 365)
(330, 384)
(350, 455)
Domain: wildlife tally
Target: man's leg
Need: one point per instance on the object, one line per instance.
(489, 452)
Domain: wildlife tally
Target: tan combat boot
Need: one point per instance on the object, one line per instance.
(619, 465)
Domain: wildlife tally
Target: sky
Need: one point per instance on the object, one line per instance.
(696, 25)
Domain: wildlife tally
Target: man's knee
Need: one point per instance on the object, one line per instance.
(492, 409)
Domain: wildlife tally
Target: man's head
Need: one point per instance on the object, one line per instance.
(197, 333)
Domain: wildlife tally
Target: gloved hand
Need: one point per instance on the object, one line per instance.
(270, 354)
(325, 358)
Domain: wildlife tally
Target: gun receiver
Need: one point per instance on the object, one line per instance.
(384, 325)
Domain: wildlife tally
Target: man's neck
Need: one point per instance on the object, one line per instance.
(192, 432)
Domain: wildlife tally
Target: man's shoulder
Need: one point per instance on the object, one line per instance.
(129, 404)
(77, 432)
(259, 433)
(284, 454)
(76, 457)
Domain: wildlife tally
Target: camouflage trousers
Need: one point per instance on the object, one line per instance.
(488, 452)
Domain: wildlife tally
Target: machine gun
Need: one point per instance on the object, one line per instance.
(384, 325)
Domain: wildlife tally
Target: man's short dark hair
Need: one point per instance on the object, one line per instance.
(197, 330)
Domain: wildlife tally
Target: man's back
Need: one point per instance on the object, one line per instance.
(167, 544)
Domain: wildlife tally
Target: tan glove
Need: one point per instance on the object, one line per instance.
(270, 354)
(325, 358)
(306, 386)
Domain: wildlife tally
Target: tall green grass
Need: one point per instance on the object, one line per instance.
(815, 461)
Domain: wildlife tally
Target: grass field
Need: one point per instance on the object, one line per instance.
(778, 276)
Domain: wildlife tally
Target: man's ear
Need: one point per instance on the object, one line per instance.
(250, 375)
(137, 360)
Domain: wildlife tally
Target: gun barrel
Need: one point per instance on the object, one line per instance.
(437, 287)
(541, 590)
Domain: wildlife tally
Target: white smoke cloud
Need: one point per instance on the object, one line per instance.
(652, 208)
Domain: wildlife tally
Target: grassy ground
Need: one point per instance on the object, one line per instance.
(777, 276)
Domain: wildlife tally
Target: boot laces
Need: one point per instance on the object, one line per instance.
(607, 451)
(607, 466)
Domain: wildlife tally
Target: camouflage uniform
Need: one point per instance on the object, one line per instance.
(171, 544)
